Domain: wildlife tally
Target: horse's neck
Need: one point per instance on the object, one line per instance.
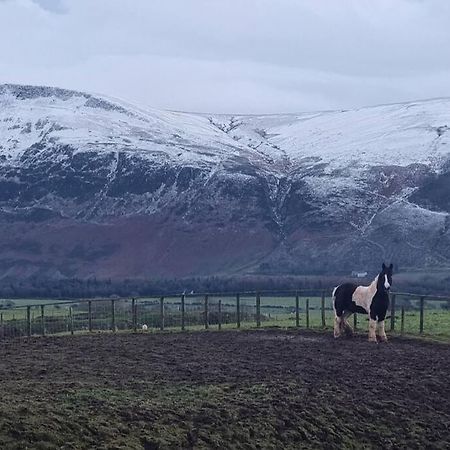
(372, 288)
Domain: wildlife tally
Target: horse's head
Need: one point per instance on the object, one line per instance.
(385, 278)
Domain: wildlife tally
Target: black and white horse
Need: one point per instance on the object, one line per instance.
(348, 298)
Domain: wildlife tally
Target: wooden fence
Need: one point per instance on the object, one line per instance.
(301, 308)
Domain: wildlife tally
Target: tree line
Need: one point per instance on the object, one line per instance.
(93, 287)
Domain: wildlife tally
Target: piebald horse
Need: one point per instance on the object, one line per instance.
(348, 298)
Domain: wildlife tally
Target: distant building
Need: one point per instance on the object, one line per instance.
(359, 274)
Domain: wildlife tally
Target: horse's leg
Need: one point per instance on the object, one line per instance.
(338, 321)
(337, 317)
(345, 325)
(372, 328)
(337, 325)
(380, 331)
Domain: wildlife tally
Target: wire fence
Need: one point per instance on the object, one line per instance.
(408, 313)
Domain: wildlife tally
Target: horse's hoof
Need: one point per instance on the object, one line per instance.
(383, 339)
(371, 339)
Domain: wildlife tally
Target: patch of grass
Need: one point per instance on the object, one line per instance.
(165, 416)
(213, 416)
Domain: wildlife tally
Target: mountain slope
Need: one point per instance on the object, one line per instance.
(91, 186)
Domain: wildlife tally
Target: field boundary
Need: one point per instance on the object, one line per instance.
(409, 313)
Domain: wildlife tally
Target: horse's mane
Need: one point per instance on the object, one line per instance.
(375, 281)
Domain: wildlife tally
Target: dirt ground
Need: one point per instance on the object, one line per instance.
(266, 389)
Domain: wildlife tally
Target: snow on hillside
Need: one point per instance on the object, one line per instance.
(399, 134)
(95, 124)
(332, 152)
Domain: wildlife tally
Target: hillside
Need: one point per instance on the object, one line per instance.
(92, 186)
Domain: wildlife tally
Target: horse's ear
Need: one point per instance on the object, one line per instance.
(383, 266)
(391, 266)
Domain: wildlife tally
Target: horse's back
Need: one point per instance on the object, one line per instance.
(345, 290)
(342, 297)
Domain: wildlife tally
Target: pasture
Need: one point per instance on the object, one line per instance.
(267, 388)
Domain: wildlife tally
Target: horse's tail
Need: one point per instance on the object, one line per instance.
(333, 294)
(333, 299)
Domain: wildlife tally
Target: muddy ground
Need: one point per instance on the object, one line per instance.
(230, 389)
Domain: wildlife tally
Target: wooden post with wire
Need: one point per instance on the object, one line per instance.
(422, 300)
(183, 306)
(42, 320)
(322, 307)
(90, 315)
(161, 314)
(113, 315)
(238, 311)
(297, 310)
(206, 313)
(71, 320)
(402, 321)
(219, 318)
(393, 312)
(307, 313)
(258, 310)
(29, 321)
(133, 314)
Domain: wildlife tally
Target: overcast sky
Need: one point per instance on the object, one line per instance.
(232, 55)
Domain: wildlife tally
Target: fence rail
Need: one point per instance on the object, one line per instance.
(408, 313)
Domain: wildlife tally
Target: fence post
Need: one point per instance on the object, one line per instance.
(136, 316)
(28, 321)
(323, 309)
(205, 312)
(113, 315)
(71, 320)
(421, 315)
(220, 315)
(42, 321)
(90, 315)
(133, 314)
(355, 320)
(182, 312)
(161, 313)
(393, 312)
(258, 310)
(2, 331)
(238, 311)
(402, 323)
(307, 313)
(297, 310)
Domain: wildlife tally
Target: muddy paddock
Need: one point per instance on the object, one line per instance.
(230, 389)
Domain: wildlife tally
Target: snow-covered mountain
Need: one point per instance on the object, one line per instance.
(92, 186)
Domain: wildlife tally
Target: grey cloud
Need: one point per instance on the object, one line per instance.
(232, 55)
(56, 6)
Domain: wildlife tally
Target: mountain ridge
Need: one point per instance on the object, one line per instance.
(217, 193)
